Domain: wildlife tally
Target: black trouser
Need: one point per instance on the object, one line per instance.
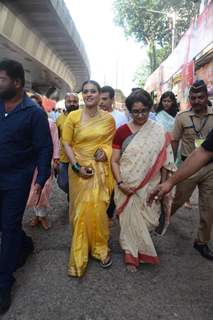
(111, 208)
(183, 158)
(13, 238)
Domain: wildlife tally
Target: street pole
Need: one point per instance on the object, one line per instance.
(173, 16)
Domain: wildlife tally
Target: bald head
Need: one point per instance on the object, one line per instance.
(71, 101)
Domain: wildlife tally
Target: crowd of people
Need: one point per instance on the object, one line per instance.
(108, 163)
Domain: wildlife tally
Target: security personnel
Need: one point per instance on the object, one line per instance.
(192, 127)
(25, 142)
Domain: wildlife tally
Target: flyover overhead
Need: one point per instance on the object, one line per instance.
(42, 35)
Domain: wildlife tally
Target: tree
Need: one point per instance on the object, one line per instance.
(142, 74)
(153, 29)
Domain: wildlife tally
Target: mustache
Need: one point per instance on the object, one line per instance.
(71, 106)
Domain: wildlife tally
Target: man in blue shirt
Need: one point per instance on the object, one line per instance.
(25, 142)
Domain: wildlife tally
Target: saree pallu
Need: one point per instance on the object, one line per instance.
(166, 120)
(89, 198)
(141, 162)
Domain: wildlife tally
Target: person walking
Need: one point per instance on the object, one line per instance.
(142, 155)
(24, 145)
(107, 100)
(71, 102)
(40, 207)
(165, 115)
(87, 138)
(192, 127)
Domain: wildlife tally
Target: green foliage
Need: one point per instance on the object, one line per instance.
(163, 53)
(142, 74)
(151, 28)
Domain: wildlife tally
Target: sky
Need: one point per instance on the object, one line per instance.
(113, 59)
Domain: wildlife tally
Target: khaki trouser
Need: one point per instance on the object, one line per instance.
(203, 179)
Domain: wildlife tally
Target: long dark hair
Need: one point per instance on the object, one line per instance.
(174, 108)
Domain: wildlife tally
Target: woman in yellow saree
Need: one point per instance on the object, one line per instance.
(87, 138)
(142, 156)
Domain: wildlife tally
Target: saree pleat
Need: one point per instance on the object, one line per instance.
(89, 198)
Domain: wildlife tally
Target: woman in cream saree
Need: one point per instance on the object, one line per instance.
(142, 157)
(87, 137)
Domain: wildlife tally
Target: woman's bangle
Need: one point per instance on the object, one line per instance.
(119, 183)
(76, 167)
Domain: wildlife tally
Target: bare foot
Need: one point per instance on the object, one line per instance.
(44, 222)
(131, 268)
(34, 222)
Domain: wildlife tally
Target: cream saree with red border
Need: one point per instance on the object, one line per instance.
(140, 165)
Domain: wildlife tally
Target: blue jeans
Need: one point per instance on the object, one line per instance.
(13, 239)
(63, 179)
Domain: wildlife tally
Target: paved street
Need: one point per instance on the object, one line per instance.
(180, 288)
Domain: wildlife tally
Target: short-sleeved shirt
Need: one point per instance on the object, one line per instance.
(121, 134)
(189, 127)
(208, 143)
(60, 124)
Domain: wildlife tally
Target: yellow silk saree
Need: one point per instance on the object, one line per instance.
(89, 198)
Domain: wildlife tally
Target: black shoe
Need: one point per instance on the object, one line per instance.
(5, 300)
(26, 252)
(106, 264)
(204, 250)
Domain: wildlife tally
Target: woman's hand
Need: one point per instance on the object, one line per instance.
(125, 188)
(85, 173)
(100, 155)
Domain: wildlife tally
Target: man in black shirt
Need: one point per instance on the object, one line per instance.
(208, 143)
(195, 161)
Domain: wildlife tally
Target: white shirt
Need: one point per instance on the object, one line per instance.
(119, 117)
(54, 115)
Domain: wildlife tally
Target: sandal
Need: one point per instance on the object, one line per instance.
(34, 222)
(44, 222)
(107, 263)
(131, 268)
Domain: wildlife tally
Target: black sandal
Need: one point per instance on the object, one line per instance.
(106, 264)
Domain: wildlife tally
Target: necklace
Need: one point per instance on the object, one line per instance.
(92, 115)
